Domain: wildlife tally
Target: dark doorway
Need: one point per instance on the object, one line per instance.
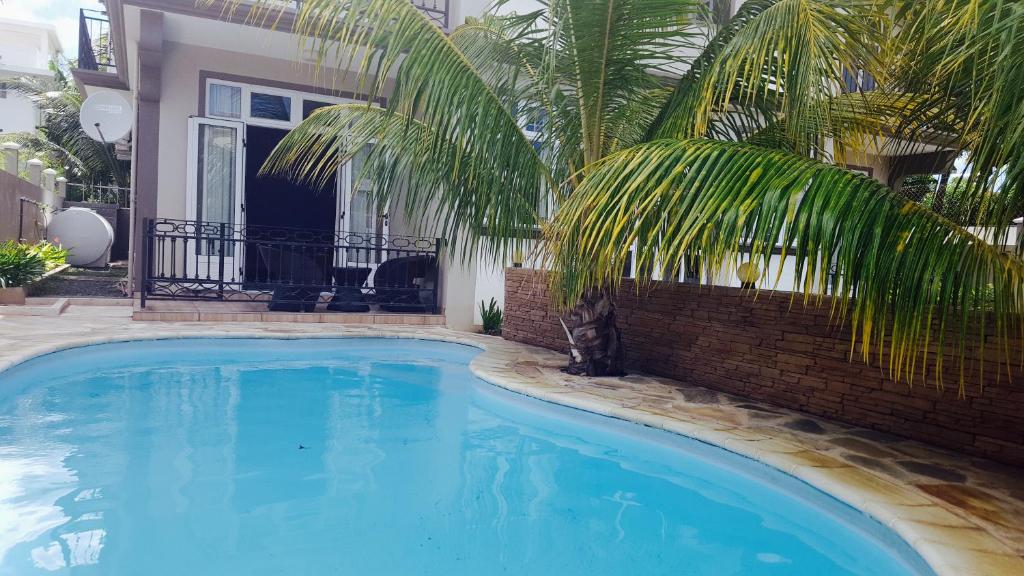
(277, 202)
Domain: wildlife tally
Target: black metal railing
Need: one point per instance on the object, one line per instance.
(95, 48)
(436, 10)
(99, 194)
(292, 270)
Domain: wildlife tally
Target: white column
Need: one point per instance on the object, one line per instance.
(35, 171)
(11, 157)
(62, 188)
(49, 186)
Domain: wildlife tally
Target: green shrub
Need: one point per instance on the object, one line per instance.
(492, 317)
(19, 264)
(51, 254)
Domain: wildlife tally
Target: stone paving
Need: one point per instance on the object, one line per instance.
(962, 514)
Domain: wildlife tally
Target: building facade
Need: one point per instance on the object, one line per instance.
(26, 49)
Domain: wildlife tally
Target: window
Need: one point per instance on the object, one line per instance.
(270, 106)
(310, 106)
(3, 90)
(225, 101)
(858, 80)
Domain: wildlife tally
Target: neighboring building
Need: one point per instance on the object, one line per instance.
(26, 49)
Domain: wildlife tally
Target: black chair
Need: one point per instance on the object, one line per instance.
(296, 274)
(406, 284)
(348, 291)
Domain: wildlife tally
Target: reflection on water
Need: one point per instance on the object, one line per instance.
(368, 457)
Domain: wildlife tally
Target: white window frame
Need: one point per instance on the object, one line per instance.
(298, 97)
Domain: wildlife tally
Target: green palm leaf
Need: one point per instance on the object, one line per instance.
(906, 274)
(463, 205)
(966, 57)
(774, 58)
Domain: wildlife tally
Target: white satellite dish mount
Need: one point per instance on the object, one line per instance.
(106, 117)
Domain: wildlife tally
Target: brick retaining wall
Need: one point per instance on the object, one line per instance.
(724, 339)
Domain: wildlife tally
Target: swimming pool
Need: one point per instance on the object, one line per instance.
(377, 456)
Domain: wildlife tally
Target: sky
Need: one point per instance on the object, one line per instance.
(61, 13)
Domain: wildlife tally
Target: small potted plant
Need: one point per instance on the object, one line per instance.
(19, 265)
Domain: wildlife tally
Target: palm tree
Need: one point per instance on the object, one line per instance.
(657, 143)
(60, 141)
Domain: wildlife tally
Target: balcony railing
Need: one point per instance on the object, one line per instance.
(436, 10)
(95, 49)
(290, 269)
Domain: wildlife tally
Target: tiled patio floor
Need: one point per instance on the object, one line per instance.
(963, 514)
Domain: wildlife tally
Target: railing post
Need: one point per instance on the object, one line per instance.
(147, 259)
(437, 265)
(21, 219)
(220, 261)
(35, 171)
(11, 157)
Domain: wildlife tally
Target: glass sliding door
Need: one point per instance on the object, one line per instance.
(214, 196)
(361, 217)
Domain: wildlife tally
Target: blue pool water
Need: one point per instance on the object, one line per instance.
(376, 457)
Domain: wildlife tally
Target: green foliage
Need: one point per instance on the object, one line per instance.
(19, 264)
(965, 58)
(696, 166)
(918, 186)
(51, 254)
(492, 317)
(965, 206)
(903, 275)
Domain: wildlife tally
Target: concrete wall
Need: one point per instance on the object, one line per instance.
(723, 339)
(11, 189)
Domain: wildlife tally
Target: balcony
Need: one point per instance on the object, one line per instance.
(95, 49)
(277, 269)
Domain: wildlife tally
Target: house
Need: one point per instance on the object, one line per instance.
(213, 93)
(26, 49)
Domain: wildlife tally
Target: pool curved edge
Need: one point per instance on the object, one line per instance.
(529, 371)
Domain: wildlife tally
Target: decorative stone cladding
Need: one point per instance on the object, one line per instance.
(773, 350)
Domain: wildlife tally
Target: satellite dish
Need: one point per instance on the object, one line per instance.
(106, 117)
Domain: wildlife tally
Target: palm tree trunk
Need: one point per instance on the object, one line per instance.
(595, 341)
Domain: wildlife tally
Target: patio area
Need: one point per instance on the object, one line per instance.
(961, 513)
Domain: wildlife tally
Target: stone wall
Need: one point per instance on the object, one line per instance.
(767, 350)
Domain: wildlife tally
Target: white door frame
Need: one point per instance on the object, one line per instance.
(344, 220)
(201, 265)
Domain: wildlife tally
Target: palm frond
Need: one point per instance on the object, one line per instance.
(967, 58)
(611, 50)
(775, 59)
(431, 87)
(463, 196)
(902, 276)
(60, 141)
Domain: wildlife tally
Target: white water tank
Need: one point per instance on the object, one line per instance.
(87, 235)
